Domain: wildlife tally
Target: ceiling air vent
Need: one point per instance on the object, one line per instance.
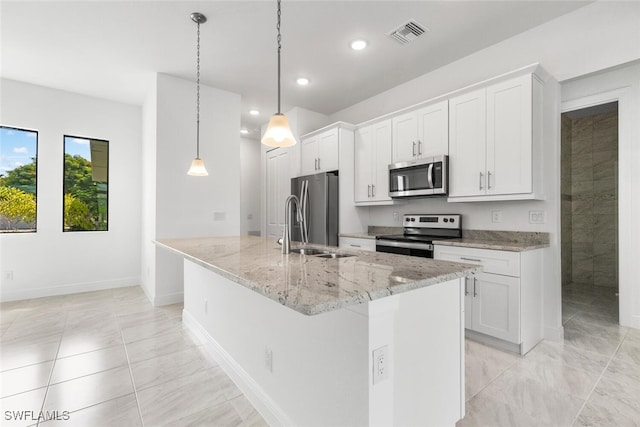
(408, 32)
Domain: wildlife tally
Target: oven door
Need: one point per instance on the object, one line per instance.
(424, 250)
(425, 177)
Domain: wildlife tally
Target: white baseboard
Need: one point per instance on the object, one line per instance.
(635, 322)
(68, 289)
(269, 410)
(168, 299)
(554, 334)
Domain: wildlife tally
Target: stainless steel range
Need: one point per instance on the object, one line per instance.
(419, 233)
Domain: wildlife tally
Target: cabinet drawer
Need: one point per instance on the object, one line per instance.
(357, 243)
(496, 262)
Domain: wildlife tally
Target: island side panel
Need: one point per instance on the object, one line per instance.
(320, 369)
(429, 356)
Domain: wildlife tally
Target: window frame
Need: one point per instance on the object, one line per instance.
(37, 133)
(64, 153)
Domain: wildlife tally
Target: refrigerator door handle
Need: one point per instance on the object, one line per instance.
(305, 203)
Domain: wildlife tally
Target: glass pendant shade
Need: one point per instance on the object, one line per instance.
(278, 133)
(197, 168)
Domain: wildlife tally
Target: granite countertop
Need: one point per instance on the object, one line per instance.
(310, 284)
(514, 241)
(374, 231)
(492, 244)
(359, 235)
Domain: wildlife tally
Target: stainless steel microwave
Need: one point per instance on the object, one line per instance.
(419, 178)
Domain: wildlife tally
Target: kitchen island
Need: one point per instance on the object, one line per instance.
(359, 340)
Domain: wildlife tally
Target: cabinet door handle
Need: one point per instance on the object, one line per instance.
(475, 294)
(318, 163)
(489, 180)
(481, 180)
(414, 148)
(471, 259)
(315, 164)
(466, 290)
(419, 148)
(368, 190)
(373, 190)
(354, 246)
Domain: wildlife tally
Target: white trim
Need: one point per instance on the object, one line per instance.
(623, 95)
(124, 282)
(270, 411)
(167, 299)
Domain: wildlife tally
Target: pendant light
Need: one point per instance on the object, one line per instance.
(278, 133)
(197, 165)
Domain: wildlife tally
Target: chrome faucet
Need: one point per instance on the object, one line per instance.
(286, 237)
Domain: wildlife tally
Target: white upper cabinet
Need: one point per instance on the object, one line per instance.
(320, 152)
(493, 137)
(372, 158)
(421, 133)
(433, 130)
(467, 144)
(509, 149)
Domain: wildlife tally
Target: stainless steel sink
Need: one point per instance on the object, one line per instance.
(319, 253)
(334, 255)
(310, 251)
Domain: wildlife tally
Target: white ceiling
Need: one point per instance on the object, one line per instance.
(111, 49)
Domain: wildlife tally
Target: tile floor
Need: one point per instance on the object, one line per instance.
(592, 379)
(109, 358)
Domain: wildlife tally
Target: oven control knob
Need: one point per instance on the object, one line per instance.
(445, 220)
(413, 219)
(451, 219)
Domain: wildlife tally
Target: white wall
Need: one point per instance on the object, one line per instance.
(595, 37)
(50, 262)
(621, 84)
(188, 206)
(250, 212)
(592, 38)
(148, 229)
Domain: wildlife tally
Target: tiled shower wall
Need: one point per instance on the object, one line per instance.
(565, 205)
(589, 156)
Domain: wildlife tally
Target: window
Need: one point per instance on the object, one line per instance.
(18, 179)
(86, 184)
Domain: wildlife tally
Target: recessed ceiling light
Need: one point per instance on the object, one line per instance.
(244, 131)
(358, 44)
(302, 81)
(254, 112)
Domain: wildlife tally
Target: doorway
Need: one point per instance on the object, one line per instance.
(589, 213)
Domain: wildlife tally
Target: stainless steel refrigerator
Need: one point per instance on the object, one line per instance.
(319, 204)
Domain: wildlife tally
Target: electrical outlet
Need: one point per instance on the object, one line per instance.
(536, 217)
(219, 216)
(268, 359)
(8, 275)
(496, 216)
(380, 364)
(396, 216)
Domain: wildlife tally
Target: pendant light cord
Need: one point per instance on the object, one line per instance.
(198, 96)
(279, 48)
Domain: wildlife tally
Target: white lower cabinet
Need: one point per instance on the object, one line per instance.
(493, 306)
(358, 243)
(503, 304)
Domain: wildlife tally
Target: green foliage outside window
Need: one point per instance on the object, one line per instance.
(17, 208)
(18, 179)
(85, 184)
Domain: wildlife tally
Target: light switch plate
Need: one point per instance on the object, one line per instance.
(496, 216)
